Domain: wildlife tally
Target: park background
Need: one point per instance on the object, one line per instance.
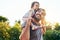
(11, 12)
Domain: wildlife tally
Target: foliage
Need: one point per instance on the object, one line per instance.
(3, 31)
(8, 33)
(3, 19)
(14, 33)
(52, 35)
(57, 26)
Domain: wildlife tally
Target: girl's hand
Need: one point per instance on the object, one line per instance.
(43, 29)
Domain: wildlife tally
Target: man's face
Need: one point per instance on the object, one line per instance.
(36, 6)
(39, 14)
(37, 17)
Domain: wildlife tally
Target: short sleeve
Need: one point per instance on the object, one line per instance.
(28, 14)
(23, 24)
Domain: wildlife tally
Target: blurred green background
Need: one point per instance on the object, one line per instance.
(12, 33)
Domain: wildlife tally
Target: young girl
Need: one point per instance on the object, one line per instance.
(25, 35)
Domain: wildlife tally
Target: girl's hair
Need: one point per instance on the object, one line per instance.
(34, 3)
(43, 19)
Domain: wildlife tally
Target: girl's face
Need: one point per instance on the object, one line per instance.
(36, 6)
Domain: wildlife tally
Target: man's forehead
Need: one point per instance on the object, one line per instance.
(40, 11)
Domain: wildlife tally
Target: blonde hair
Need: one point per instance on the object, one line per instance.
(43, 19)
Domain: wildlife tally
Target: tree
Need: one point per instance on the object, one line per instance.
(15, 31)
(57, 26)
(3, 19)
(4, 35)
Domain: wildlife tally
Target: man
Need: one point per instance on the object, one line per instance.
(27, 22)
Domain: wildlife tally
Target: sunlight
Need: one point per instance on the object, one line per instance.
(14, 10)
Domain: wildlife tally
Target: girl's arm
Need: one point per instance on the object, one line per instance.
(43, 29)
(27, 15)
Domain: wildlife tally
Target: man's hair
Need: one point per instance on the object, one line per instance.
(34, 3)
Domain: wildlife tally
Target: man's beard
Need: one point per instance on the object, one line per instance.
(36, 18)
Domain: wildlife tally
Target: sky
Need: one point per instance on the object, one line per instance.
(15, 9)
